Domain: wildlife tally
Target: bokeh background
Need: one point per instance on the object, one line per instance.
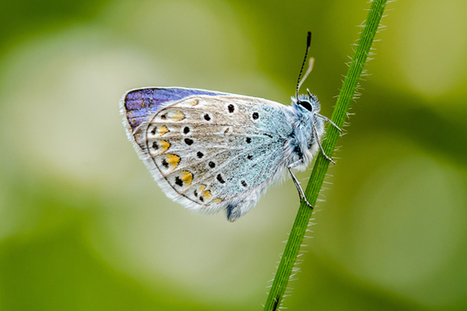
(84, 227)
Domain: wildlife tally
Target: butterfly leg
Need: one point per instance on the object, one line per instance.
(323, 117)
(315, 132)
(301, 194)
(328, 120)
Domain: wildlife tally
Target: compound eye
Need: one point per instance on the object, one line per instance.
(305, 104)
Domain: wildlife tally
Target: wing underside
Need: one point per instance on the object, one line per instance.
(211, 152)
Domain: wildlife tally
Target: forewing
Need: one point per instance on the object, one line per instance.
(138, 104)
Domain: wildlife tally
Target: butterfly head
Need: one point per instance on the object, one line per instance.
(307, 103)
(309, 125)
(306, 108)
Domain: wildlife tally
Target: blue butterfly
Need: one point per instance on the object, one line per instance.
(212, 151)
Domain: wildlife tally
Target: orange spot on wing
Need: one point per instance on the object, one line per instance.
(207, 195)
(173, 160)
(186, 177)
(164, 145)
(162, 130)
(176, 115)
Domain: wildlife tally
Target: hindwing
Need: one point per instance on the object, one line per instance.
(212, 150)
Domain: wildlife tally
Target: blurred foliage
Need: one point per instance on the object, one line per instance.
(84, 227)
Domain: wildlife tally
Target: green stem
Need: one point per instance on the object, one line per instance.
(321, 164)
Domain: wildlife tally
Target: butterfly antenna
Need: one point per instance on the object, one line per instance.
(299, 83)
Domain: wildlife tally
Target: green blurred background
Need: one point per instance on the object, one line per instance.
(84, 227)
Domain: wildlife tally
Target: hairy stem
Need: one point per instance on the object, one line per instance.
(321, 164)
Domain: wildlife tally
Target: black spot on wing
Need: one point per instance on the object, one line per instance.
(220, 178)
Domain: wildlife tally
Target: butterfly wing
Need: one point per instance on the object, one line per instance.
(210, 151)
(138, 104)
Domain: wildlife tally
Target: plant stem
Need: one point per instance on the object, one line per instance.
(321, 164)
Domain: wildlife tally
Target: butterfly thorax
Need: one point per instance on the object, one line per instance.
(307, 129)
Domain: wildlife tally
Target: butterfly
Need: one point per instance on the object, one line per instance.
(213, 151)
